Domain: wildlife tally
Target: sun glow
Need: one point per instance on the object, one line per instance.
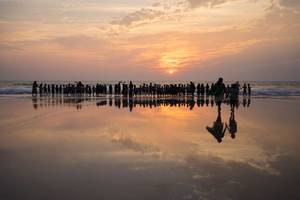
(173, 61)
(171, 71)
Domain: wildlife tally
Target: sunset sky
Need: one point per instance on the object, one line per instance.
(149, 39)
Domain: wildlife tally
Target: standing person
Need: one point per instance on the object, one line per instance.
(131, 89)
(233, 95)
(34, 88)
(218, 91)
(48, 89)
(41, 89)
(244, 89)
(249, 90)
(52, 89)
(207, 91)
(198, 89)
(93, 90)
(211, 89)
(45, 88)
(202, 89)
(192, 88)
(110, 88)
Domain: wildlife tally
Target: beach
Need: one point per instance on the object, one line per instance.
(149, 100)
(52, 148)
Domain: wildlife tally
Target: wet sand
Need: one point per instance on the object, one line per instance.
(77, 150)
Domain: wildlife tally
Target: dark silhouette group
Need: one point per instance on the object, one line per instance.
(218, 129)
(217, 89)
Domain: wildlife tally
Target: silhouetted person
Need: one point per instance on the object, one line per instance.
(211, 87)
(110, 89)
(198, 89)
(238, 86)
(45, 88)
(52, 89)
(245, 89)
(207, 91)
(34, 88)
(202, 89)
(56, 89)
(93, 90)
(249, 90)
(192, 88)
(218, 129)
(233, 95)
(130, 89)
(41, 89)
(218, 91)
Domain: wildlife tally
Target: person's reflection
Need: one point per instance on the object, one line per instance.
(34, 102)
(191, 103)
(78, 106)
(244, 102)
(218, 129)
(125, 102)
(130, 104)
(232, 128)
(207, 101)
(249, 102)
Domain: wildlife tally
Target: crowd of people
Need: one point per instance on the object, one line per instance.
(217, 89)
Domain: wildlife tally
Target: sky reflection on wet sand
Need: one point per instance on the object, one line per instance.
(59, 152)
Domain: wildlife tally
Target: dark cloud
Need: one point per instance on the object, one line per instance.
(161, 11)
(290, 3)
(144, 15)
(206, 3)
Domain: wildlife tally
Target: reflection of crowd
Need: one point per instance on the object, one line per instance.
(151, 89)
(131, 103)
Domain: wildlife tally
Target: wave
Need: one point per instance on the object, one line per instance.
(277, 92)
(15, 90)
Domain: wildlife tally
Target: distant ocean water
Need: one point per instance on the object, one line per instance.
(259, 88)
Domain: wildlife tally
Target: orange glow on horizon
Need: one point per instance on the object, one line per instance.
(174, 60)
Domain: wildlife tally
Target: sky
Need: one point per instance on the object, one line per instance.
(150, 40)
